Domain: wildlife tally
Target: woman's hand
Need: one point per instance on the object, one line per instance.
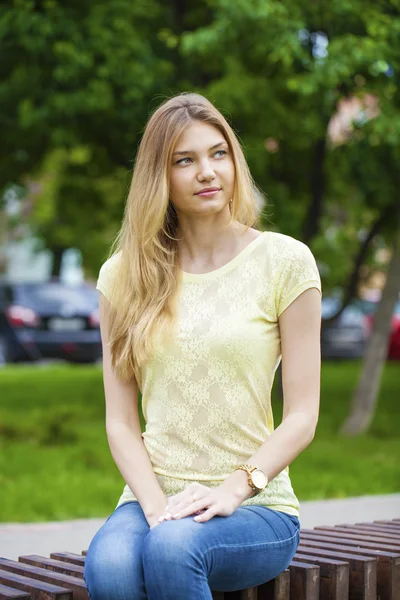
(201, 500)
(153, 517)
(154, 521)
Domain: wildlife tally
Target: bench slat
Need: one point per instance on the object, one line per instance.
(364, 539)
(37, 590)
(362, 575)
(334, 576)
(69, 557)
(304, 581)
(52, 565)
(387, 565)
(7, 593)
(374, 528)
(372, 534)
(389, 523)
(77, 586)
(275, 589)
(353, 542)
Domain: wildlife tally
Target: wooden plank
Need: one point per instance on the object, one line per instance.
(393, 523)
(7, 593)
(372, 534)
(304, 581)
(363, 538)
(362, 575)
(52, 565)
(387, 567)
(376, 527)
(69, 557)
(349, 545)
(334, 576)
(38, 590)
(275, 589)
(75, 584)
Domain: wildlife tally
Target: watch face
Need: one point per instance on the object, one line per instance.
(259, 478)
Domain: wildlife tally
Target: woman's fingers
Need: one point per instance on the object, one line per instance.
(193, 508)
(207, 514)
(184, 500)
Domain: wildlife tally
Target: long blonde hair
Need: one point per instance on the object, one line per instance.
(146, 277)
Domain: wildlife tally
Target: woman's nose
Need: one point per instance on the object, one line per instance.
(206, 171)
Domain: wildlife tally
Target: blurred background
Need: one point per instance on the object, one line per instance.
(312, 91)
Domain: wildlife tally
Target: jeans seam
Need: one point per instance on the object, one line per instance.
(253, 545)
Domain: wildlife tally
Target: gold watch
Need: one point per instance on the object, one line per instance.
(256, 477)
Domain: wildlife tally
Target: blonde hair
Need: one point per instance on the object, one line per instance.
(146, 278)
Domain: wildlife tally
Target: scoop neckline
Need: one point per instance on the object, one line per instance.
(186, 276)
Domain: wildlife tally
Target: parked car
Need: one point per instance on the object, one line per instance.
(49, 320)
(345, 337)
(369, 308)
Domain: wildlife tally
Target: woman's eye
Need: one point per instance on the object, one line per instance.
(182, 160)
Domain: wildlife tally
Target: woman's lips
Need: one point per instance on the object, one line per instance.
(206, 194)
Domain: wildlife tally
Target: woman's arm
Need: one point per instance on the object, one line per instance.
(300, 330)
(124, 432)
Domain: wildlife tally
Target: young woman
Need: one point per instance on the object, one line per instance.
(197, 311)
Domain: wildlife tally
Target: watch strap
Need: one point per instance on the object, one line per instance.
(248, 469)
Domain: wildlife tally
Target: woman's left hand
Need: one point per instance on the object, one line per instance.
(201, 500)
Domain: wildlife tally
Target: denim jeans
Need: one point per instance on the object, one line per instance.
(183, 559)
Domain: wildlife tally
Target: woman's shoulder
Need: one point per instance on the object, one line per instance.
(111, 262)
(288, 256)
(107, 272)
(284, 241)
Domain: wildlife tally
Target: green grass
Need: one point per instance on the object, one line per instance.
(55, 462)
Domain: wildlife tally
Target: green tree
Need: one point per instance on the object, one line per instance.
(76, 81)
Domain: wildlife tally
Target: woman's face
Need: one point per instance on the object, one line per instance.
(201, 159)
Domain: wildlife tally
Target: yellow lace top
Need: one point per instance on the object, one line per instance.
(206, 394)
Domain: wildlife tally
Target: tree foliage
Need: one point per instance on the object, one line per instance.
(79, 79)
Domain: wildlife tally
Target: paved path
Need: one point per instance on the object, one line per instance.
(17, 539)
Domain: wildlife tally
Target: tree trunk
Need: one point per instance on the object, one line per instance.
(3, 240)
(354, 278)
(366, 395)
(312, 223)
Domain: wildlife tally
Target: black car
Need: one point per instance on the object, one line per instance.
(49, 320)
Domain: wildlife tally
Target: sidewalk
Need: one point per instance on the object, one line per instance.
(74, 536)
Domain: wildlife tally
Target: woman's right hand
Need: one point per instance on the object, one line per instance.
(153, 519)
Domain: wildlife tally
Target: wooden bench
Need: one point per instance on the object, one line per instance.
(345, 562)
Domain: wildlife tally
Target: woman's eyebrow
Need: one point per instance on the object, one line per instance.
(193, 152)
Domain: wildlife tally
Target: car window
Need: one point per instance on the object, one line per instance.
(329, 307)
(352, 315)
(56, 294)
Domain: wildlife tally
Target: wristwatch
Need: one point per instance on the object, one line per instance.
(256, 477)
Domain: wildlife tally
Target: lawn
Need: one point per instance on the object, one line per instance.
(55, 462)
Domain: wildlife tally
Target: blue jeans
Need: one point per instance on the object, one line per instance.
(184, 559)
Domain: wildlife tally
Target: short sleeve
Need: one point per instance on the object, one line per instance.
(296, 272)
(106, 276)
